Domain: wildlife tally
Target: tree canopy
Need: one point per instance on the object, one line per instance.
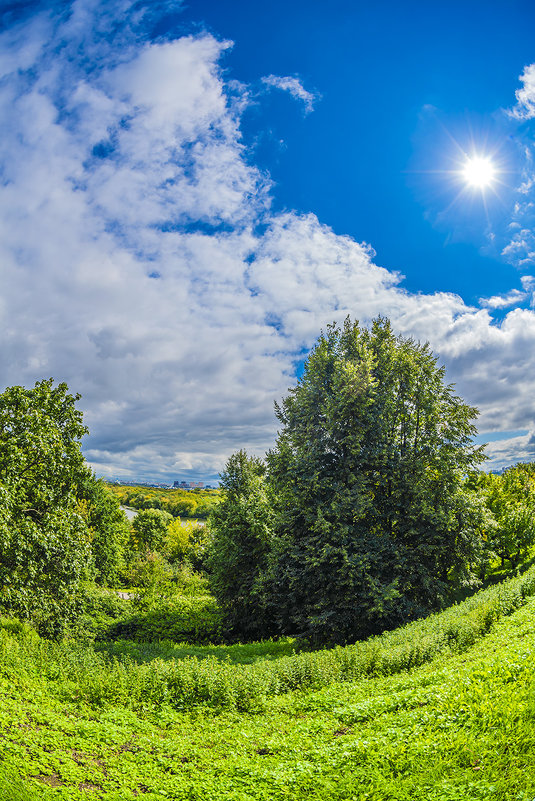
(241, 541)
(373, 515)
(44, 543)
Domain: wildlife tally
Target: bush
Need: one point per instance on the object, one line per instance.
(187, 542)
(148, 570)
(180, 618)
(102, 609)
(80, 674)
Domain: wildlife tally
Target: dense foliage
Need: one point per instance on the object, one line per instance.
(58, 524)
(510, 498)
(374, 520)
(108, 528)
(150, 529)
(44, 543)
(241, 542)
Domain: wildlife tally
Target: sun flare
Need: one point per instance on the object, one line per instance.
(479, 172)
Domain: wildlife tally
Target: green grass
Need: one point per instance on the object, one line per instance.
(458, 725)
(239, 653)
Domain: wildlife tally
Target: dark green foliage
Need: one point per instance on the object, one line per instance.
(150, 529)
(373, 517)
(241, 530)
(44, 548)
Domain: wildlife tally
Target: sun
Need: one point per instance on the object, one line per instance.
(479, 172)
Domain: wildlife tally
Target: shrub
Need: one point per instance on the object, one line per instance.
(80, 674)
(194, 619)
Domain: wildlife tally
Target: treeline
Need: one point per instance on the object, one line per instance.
(197, 503)
(369, 512)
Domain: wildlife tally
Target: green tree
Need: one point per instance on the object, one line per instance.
(187, 542)
(150, 529)
(44, 543)
(241, 541)
(511, 499)
(367, 473)
(107, 524)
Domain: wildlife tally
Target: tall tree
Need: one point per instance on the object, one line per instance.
(44, 543)
(241, 539)
(373, 513)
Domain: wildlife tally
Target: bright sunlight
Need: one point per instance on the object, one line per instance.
(479, 172)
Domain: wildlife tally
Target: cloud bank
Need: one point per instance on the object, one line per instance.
(141, 261)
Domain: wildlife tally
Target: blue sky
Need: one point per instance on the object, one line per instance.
(191, 191)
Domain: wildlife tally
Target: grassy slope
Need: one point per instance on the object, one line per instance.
(460, 727)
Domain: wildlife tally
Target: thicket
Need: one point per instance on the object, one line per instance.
(510, 497)
(82, 675)
(242, 532)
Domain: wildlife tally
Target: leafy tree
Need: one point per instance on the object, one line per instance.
(177, 540)
(149, 570)
(367, 473)
(187, 542)
(150, 529)
(107, 524)
(44, 547)
(511, 499)
(241, 531)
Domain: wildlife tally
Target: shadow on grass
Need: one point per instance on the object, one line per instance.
(495, 576)
(240, 653)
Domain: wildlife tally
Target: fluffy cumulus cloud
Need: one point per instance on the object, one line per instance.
(511, 298)
(141, 263)
(525, 96)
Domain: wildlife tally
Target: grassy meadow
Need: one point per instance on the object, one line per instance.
(443, 708)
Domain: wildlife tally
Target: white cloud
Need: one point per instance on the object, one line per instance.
(520, 250)
(511, 298)
(140, 260)
(294, 87)
(505, 452)
(525, 97)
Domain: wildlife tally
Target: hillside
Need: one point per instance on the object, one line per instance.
(460, 726)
